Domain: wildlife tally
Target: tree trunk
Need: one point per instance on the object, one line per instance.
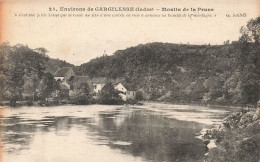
(29, 102)
(258, 66)
(33, 97)
(13, 103)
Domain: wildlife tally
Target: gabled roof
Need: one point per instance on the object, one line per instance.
(81, 78)
(99, 80)
(118, 84)
(65, 86)
(63, 71)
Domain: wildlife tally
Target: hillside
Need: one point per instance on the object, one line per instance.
(192, 73)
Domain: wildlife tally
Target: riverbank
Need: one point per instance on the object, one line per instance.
(36, 103)
(237, 138)
(66, 102)
(131, 102)
(235, 107)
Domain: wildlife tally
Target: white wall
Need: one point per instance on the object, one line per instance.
(98, 87)
(120, 87)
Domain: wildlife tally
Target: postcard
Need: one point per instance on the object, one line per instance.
(129, 80)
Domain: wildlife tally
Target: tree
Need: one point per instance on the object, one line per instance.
(226, 42)
(139, 96)
(22, 70)
(13, 71)
(109, 95)
(31, 82)
(41, 50)
(250, 32)
(250, 61)
(46, 86)
(81, 93)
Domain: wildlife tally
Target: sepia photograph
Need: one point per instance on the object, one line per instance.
(130, 81)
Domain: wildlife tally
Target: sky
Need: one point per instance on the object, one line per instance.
(78, 40)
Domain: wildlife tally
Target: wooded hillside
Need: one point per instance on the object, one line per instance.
(222, 74)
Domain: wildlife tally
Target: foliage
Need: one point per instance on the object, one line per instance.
(251, 32)
(81, 94)
(240, 142)
(23, 70)
(216, 74)
(139, 96)
(46, 86)
(24, 76)
(250, 61)
(109, 95)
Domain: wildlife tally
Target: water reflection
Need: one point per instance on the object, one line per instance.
(92, 133)
(154, 137)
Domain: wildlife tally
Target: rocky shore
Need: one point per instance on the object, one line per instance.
(236, 139)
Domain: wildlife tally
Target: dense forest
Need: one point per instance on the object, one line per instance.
(218, 74)
(23, 72)
(27, 74)
(225, 74)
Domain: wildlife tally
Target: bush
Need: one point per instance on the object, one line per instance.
(109, 95)
(139, 96)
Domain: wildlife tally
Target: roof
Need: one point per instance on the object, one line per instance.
(99, 80)
(117, 81)
(65, 86)
(77, 80)
(81, 78)
(118, 84)
(63, 71)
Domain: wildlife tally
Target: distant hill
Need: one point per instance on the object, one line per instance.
(191, 73)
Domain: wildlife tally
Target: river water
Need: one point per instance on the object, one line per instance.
(98, 133)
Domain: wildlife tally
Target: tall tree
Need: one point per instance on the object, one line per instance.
(46, 86)
(250, 61)
(23, 69)
(13, 73)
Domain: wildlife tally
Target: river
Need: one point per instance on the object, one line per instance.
(98, 133)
